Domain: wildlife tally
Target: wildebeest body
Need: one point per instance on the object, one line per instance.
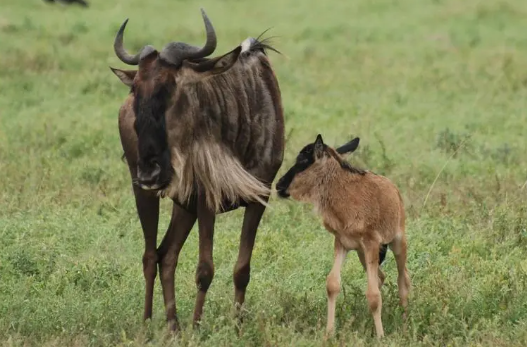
(209, 134)
(238, 113)
(239, 116)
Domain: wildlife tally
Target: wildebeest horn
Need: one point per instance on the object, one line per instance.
(119, 49)
(210, 45)
(176, 52)
(123, 54)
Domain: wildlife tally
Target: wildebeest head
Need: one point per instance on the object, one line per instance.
(311, 154)
(153, 86)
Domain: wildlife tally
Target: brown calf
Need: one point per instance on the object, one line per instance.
(364, 212)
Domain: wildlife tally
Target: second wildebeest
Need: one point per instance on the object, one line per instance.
(69, 2)
(209, 134)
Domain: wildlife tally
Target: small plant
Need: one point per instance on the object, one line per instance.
(503, 154)
(451, 142)
(23, 264)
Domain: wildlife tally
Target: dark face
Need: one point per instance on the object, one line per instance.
(305, 159)
(152, 85)
(152, 89)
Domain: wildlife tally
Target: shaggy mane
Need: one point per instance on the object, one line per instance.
(344, 164)
(217, 172)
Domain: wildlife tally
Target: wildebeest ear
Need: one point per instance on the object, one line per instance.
(126, 76)
(225, 62)
(319, 146)
(349, 147)
(216, 65)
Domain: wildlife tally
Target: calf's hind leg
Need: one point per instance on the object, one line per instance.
(398, 247)
(381, 275)
(373, 293)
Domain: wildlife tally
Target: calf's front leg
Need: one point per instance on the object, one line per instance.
(333, 284)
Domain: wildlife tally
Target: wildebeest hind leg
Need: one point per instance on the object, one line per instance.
(181, 224)
(242, 269)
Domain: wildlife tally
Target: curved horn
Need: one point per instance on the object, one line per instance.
(210, 45)
(121, 53)
(176, 52)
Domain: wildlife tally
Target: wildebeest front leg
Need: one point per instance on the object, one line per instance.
(205, 270)
(148, 210)
(242, 269)
(180, 226)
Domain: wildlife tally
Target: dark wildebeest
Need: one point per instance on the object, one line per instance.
(69, 2)
(209, 134)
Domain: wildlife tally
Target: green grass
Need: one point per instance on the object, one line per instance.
(437, 91)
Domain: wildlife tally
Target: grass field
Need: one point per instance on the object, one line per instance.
(437, 91)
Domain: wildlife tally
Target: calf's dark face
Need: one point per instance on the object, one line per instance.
(303, 161)
(307, 157)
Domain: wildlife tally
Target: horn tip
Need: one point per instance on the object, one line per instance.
(121, 29)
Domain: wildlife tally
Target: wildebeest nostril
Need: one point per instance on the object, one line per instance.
(282, 189)
(148, 176)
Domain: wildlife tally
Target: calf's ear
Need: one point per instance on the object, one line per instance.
(319, 146)
(349, 147)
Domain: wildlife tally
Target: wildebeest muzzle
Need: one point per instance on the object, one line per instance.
(155, 174)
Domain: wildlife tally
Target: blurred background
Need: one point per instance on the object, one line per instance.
(435, 89)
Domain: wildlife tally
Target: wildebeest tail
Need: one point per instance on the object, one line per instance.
(382, 253)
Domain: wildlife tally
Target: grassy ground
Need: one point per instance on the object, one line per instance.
(436, 90)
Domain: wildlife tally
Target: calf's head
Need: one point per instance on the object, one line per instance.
(311, 157)
(153, 87)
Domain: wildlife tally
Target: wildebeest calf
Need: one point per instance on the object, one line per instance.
(363, 210)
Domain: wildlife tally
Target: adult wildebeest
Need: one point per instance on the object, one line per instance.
(209, 134)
